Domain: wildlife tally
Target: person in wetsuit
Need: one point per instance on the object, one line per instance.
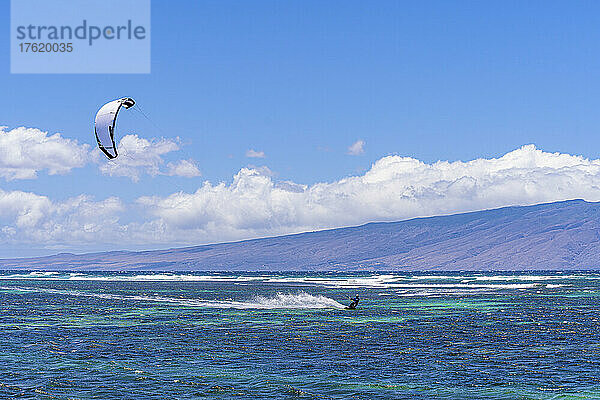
(354, 303)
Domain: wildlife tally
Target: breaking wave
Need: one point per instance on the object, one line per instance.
(383, 281)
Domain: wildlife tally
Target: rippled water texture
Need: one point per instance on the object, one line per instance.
(283, 336)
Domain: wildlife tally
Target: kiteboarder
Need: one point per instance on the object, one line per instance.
(354, 303)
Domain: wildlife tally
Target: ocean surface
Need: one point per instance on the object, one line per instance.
(287, 336)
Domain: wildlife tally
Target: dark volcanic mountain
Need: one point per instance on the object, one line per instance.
(555, 236)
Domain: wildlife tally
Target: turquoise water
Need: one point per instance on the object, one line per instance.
(286, 336)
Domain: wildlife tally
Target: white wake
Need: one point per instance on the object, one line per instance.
(300, 300)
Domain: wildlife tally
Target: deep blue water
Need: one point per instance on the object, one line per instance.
(285, 336)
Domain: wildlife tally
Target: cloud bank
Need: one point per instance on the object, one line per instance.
(254, 204)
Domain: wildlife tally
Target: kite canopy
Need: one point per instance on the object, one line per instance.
(106, 119)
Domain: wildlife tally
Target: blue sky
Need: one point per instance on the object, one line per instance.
(302, 81)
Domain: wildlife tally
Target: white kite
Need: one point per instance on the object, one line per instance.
(106, 119)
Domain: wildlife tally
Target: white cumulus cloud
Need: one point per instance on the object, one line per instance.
(185, 168)
(26, 151)
(255, 154)
(28, 218)
(139, 156)
(357, 148)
